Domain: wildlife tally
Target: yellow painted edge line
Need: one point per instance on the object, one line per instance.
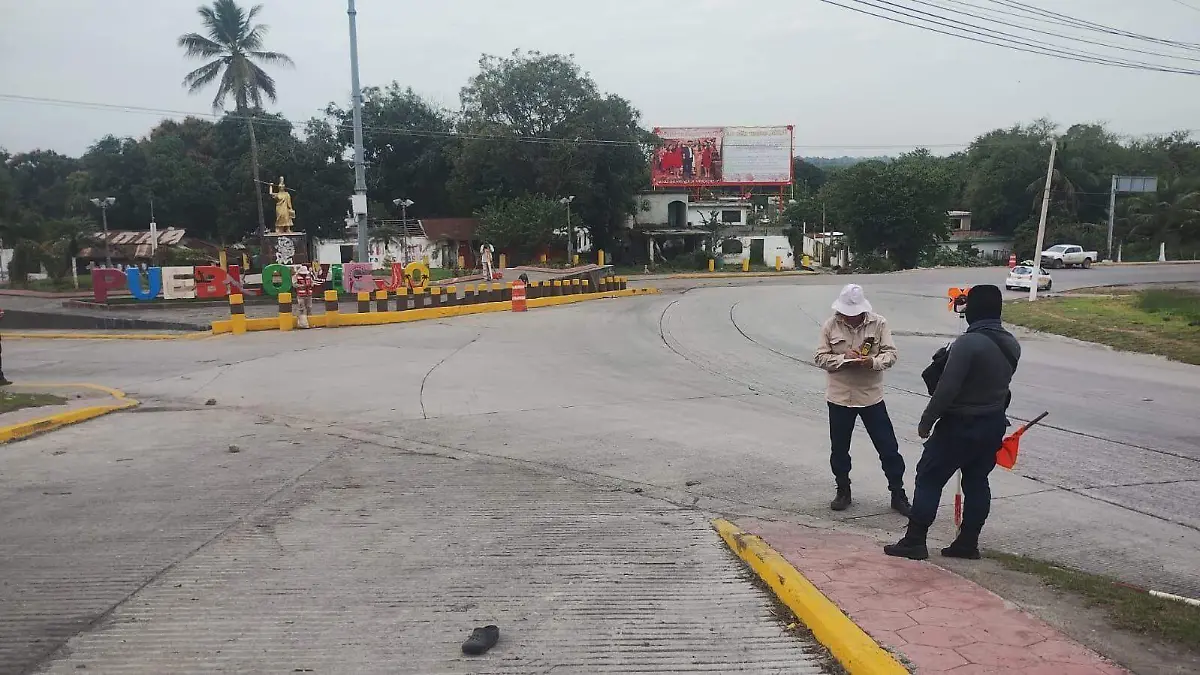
(735, 275)
(850, 644)
(105, 336)
(41, 425)
(115, 393)
(224, 326)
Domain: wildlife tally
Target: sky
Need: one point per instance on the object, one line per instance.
(851, 84)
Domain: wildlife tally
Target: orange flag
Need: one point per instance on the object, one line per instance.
(1006, 456)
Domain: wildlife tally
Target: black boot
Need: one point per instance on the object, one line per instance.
(900, 503)
(912, 545)
(965, 546)
(841, 502)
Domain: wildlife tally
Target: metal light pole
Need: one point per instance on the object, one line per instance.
(404, 204)
(360, 178)
(566, 201)
(103, 204)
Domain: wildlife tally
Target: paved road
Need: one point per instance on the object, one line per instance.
(700, 397)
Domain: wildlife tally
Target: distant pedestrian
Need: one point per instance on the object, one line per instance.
(964, 423)
(304, 291)
(856, 347)
(485, 261)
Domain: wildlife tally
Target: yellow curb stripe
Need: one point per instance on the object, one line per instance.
(737, 275)
(41, 425)
(381, 318)
(105, 336)
(851, 646)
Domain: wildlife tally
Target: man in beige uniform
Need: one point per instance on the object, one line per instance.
(856, 347)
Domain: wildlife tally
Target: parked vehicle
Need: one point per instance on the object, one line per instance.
(1068, 255)
(1021, 276)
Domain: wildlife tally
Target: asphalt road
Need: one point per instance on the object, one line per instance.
(702, 396)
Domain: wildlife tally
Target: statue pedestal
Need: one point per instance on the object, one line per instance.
(289, 248)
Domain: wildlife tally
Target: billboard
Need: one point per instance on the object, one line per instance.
(715, 156)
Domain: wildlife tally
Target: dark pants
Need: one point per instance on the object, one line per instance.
(879, 428)
(966, 444)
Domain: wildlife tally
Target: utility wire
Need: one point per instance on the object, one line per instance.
(1188, 5)
(404, 131)
(990, 36)
(1089, 25)
(1053, 34)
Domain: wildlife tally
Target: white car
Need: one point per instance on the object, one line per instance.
(1068, 255)
(1021, 277)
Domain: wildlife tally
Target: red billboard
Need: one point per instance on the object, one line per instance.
(716, 156)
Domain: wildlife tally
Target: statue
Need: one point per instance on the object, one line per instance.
(284, 213)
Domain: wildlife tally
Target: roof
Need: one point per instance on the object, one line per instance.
(958, 214)
(168, 236)
(451, 229)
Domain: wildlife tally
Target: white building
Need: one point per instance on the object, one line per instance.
(989, 244)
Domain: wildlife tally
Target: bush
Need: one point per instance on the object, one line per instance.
(944, 257)
(26, 260)
(873, 263)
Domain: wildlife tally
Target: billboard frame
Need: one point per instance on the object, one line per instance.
(695, 186)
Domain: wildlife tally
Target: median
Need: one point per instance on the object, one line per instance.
(1161, 321)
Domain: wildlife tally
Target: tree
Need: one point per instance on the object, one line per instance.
(409, 145)
(522, 225)
(535, 124)
(235, 44)
(898, 208)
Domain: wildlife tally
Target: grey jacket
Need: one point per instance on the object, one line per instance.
(977, 376)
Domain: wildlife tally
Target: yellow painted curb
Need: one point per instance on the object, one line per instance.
(739, 275)
(105, 336)
(381, 318)
(851, 646)
(41, 425)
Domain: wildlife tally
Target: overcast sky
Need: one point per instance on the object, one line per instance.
(851, 84)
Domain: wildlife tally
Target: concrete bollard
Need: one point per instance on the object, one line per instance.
(401, 299)
(419, 297)
(381, 300)
(506, 292)
(469, 294)
(557, 288)
(482, 293)
(575, 261)
(712, 265)
(575, 287)
(331, 309)
(451, 296)
(286, 320)
(602, 287)
(600, 257)
(778, 263)
(436, 299)
(746, 265)
(503, 261)
(462, 262)
(585, 286)
(364, 302)
(623, 283)
(237, 313)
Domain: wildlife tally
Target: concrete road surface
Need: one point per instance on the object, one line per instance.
(701, 397)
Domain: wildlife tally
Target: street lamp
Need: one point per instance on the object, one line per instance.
(404, 204)
(566, 201)
(103, 204)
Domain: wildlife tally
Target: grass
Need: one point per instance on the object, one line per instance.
(10, 401)
(1160, 321)
(66, 285)
(1127, 608)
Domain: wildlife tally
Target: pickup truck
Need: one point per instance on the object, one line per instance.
(1068, 255)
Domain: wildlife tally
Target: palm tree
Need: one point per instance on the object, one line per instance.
(234, 43)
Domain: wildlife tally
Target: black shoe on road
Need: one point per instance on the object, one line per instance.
(481, 640)
(957, 550)
(842, 501)
(900, 503)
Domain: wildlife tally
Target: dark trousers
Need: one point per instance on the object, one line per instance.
(879, 428)
(966, 444)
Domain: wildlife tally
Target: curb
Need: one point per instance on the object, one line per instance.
(850, 645)
(41, 425)
(199, 335)
(740, 275)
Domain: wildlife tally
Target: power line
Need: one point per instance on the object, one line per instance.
(404, 131)
(1089, 25)
(1188, 5)
(975, 33)
(1053, 34)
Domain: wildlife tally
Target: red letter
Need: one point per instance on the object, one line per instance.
(211, 282)
(105, 280)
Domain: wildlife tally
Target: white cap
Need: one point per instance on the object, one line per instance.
(851, 301)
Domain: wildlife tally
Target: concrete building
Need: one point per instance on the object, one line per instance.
(990, 245)
(670, 224)
(441, 240)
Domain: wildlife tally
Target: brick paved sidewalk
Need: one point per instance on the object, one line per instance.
(935, 620)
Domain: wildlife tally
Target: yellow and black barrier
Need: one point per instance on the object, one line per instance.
(419, 304)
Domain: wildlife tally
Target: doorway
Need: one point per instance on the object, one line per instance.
(756, 251)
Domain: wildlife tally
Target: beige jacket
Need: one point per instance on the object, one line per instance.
(855, 386)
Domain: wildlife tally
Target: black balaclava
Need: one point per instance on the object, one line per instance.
(984, 302)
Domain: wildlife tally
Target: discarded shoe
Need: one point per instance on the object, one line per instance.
(481, 640)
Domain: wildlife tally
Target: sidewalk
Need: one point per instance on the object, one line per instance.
(933, 620)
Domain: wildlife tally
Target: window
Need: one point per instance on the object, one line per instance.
(731, 216)
(731, 247)
(1059, 249)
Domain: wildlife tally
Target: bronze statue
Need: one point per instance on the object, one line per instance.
(284, 212)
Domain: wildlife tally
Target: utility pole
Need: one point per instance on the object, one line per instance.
(360, 171)
(566, 201)
(1041, 235)
(103, 205)
(1112, 213)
